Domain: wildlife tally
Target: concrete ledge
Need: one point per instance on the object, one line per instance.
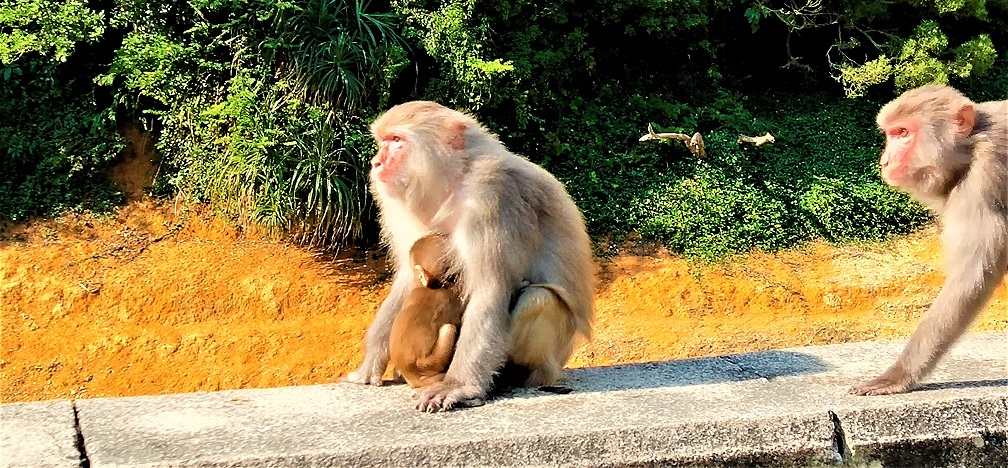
(779, 408)
(39, 434)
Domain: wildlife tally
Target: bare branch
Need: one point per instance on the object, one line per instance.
(757, 141)
(797, 16)
(694, 143)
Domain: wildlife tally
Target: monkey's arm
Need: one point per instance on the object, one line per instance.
(976, 264)
(376, 341)
(482, 346)
(481, 349)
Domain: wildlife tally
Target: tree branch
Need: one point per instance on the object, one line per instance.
(757, 141)
(694, 144)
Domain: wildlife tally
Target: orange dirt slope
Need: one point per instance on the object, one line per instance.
(148, 301)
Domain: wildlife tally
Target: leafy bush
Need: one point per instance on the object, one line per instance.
(55, 138)
(337, 51)
(710, 216)
(819, 179)
(267, 160)
(917, 63)
(260, 104)
(520, 64)
(903, 41)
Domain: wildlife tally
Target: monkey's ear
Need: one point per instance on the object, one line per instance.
(421, 275)
(965, 118)
(455, 139)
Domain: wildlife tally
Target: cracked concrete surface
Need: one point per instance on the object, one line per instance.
(785, 407)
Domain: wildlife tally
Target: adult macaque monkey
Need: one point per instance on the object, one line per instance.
(438, 170)
(951, 154)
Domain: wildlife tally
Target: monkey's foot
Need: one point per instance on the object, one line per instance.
(368, 374)
(889, 383)
(544, 376)
(449, 394)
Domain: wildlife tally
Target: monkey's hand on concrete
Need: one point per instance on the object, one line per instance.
(449, 394)
(894, 380)
(369, 373)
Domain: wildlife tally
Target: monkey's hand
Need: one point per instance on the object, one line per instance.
(370, 373)
(449, 394)
(894, 380)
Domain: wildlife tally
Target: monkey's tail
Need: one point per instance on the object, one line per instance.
(580, 323)
(444, 349)
(541, 329)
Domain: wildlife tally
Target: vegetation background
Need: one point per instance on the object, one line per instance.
(260, 107)
(256, 114)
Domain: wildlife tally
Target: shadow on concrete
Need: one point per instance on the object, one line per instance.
(964, 384)
(686, 372)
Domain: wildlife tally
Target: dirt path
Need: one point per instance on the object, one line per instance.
(149, 301)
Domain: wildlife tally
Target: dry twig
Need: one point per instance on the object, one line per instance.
(768, 138)
(694, 143)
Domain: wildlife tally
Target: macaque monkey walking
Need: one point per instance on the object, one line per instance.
(951, 154)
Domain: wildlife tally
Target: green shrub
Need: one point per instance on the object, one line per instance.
(263, 158)
(56, 140)
(845, 211)
(711, 216)
(819, 179)
(261, 104)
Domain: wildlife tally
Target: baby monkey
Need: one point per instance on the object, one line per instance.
(422, 340)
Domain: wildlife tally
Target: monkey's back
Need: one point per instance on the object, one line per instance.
(548, 230)
(992, 120)
(415, 330)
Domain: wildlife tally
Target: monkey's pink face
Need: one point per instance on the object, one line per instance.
(901, 139)
(392, 150)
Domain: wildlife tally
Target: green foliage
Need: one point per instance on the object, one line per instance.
(260, 103)
(711, 215)
(923, 58)
(260, 107)
(974, 57)
(49, 28)
(520, 63)
(449, 34)
(818, 180)
(993, 86)
(151, 64)
(54, 146)
(55, 139)
(585, 79)
(904, 41)
(844, 211)
(857, 79)
(338, 50)
(975, 8)
(278, 163)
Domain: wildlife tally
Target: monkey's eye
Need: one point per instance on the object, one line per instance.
(903, 132)
(396, 138)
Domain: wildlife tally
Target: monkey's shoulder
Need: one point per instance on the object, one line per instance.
(494, 180)
(992, 118)
(507, 168)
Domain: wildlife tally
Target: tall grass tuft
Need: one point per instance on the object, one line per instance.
(337, 51)
(328, 184)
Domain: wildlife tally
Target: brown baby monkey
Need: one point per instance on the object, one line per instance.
(423, 335)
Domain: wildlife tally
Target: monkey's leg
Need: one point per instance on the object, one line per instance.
(542, 336)
(376, 341)
(441, 356)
